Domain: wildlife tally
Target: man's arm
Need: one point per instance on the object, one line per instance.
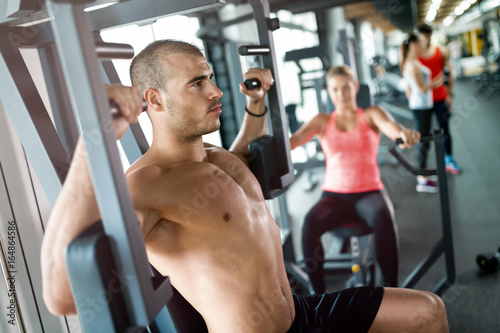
(451, 79)
(253, 126)
(76, 209)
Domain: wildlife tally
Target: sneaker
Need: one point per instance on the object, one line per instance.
(434, 178)
(452, 166)
(427, 185)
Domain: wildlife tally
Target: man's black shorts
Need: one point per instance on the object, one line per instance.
(350, 310)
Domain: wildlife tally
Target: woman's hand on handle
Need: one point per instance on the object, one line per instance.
(409, 138)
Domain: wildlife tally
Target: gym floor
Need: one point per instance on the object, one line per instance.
(473, 302)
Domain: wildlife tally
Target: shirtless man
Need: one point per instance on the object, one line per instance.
(203, 216)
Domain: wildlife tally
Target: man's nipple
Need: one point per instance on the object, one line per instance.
(227, 217)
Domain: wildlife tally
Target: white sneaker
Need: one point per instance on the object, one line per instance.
(425, 184)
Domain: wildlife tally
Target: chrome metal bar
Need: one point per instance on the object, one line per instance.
(114, 50)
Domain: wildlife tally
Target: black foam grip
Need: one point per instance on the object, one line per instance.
(252, 84)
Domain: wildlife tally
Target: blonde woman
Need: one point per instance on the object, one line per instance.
(350, 137)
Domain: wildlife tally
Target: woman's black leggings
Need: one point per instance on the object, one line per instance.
(375, 207)
(423, 125)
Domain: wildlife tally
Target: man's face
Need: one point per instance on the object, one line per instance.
(342, 90)
(425, 40)
(192, 99)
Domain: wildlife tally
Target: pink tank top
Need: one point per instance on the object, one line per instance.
(351, 157)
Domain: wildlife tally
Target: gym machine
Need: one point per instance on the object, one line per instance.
(488, 82)
(314, 79)
(444, 246)
(270, 158)
(311, 79)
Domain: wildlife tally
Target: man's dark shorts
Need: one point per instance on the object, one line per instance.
(350, 310)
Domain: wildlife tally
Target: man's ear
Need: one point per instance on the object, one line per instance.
(356, 83)
(154, 99)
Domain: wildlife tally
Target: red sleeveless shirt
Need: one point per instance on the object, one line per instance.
(351, 157)
(436, 65)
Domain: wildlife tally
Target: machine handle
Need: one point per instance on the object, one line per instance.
(417, 171)
(115, 110)
(252, 84)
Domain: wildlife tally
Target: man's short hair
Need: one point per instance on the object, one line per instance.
(424, 28)
(147, 70)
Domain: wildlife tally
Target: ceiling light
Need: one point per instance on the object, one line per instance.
(448, 20)
(465, 5)
(433, 9)
(458, 11)
(96, 7)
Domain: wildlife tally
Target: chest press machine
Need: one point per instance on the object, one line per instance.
(108, 261)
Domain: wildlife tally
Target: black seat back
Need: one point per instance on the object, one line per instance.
(184, 316)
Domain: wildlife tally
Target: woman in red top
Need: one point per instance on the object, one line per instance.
(437, 59)
(350, 137)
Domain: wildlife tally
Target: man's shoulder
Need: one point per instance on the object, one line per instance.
(443, 49)
(152, 172)
(146, 178)
(211, 149)
(220, 156)
(148, 174)
(152, 185)
(144, 172)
